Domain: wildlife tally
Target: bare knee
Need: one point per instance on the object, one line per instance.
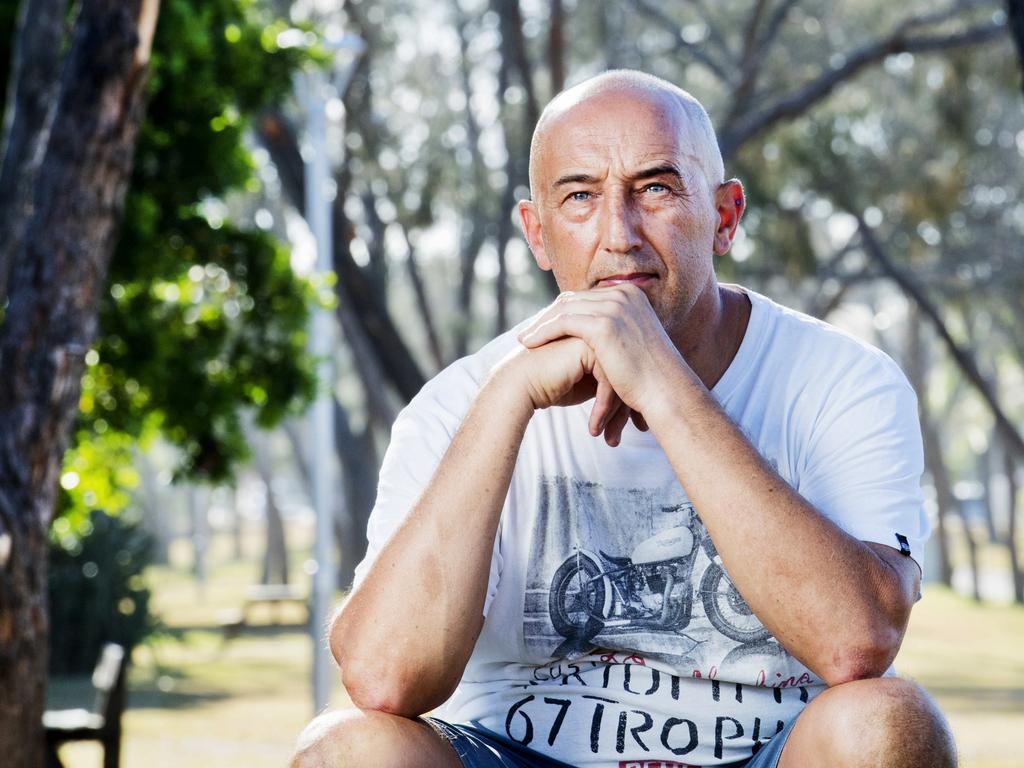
(887, 721)
(353, 737)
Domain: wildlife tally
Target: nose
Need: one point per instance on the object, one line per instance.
(619, 225)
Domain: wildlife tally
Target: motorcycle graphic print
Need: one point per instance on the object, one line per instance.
(633, 570)
(652, 589)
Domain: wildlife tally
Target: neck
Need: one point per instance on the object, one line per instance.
(714, 331)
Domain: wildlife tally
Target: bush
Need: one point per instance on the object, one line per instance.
(97, 592)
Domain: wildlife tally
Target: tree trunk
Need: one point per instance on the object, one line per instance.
(55, 279)
(354, 290)
(198, 515)
(30, 107)
(360, 465)
(1015, 21)
(275, 554)
(972, 553)
(1011, 537)
(556, 47)
(473, 231)
(986, 461)
(917, 367)
(423, 302)
(155, 509)
(237, 545)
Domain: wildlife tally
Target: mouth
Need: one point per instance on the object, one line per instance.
(636, 278)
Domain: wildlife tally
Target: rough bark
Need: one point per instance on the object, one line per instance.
(57, 273)
(30, 105)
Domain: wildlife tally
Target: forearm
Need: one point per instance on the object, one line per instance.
(827, 597)
(405, 634)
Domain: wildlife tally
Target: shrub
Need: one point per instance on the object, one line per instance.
(97, 592)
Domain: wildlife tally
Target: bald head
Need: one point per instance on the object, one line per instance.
(690, 118)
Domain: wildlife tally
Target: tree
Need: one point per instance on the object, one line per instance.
(197, 318)
(57, 272)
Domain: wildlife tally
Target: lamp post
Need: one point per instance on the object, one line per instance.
(314, 91)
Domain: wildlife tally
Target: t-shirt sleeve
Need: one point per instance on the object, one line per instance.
(420, 437)
(864, 461)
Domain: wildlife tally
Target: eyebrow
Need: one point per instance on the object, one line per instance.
(658, 170)
(647, 173)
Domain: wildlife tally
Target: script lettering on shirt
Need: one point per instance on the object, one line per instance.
(622, 726)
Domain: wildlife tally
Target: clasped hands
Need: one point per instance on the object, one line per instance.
(607, 344)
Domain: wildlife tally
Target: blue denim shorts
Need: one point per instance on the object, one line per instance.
(479, 748)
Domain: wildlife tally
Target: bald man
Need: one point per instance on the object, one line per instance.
(665, 522)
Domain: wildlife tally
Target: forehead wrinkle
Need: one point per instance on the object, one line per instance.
(696, 140)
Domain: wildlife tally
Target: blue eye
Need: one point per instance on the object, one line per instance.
(655, 188)
(579, 197)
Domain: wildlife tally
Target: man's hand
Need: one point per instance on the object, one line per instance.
(629, 351)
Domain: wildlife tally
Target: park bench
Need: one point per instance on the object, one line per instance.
(102, 723)
(271, 595)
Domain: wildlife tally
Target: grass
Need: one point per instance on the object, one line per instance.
(196, 700)
(971, 658)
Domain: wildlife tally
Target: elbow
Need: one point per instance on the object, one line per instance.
(859, 658)
(382, 688)
(382, 679)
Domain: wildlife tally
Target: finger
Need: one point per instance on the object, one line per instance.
(572, 323)
(589, 305)
(606, 402)
(615, 425)
(638, 421)
(547, 313)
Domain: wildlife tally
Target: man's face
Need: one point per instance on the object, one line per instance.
(621, 196)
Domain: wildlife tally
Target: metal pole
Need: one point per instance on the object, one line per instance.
(318, 212)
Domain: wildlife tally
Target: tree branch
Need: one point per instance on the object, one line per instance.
(423, 302)
(749, 63)
(964, 359)
(1015, 21)
(697, 51)
(799, 101)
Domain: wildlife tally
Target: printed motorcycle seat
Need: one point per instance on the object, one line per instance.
(617, 561)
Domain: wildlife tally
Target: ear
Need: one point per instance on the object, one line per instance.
(529, 216)
(730, 203)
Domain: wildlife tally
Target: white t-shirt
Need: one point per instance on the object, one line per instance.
(613, 636)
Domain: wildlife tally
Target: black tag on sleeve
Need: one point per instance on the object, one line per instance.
(904, 544)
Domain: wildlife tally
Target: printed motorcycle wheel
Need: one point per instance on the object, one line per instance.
(727, 611)
(577, 598)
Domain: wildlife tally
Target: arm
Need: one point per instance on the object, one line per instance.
(838, 604)
(405, 634)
